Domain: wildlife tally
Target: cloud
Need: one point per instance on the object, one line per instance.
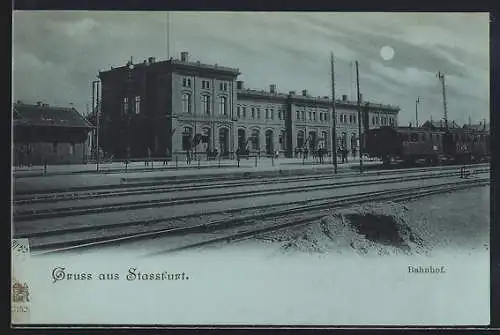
(291, 50)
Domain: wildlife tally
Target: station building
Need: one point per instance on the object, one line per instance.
(172, 106)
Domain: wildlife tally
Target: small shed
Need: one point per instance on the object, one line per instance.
(57, 135)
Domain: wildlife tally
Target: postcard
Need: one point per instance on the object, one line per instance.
(250, 168)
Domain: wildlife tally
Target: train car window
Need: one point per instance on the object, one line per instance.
(413, 137)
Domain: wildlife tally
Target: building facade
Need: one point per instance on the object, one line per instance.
(175, 106)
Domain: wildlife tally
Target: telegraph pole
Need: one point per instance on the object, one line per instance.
(334, 127)
(168, 34)
(359, 119)
(98, 116)
(441, 78)
(416, 111)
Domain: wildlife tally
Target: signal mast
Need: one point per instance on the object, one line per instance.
(442, 80)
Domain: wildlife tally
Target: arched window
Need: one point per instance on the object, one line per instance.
(255, 139)
(223, 141)
(187, 134)
(186, 103)
(300, 139)
(205, 104)
(241, 139)
(312, 140)
(324, 135)
(282, 140)
(269, 142)
(222, 106)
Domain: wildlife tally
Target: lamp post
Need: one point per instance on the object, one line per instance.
(416, 111)
(359, 118)
(129, 109)
(96, 115)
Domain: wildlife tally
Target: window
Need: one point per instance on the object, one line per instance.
(258, 113)
(253, 113)
(186, 82)
(244, 112)
(267, 113)
(205, 84)
(186, 138)
(314, 116)
(279, 114)
(222, 106)
(354, 119)
(350, 118)
(373, 119)
(302, 115)
(137, 105)
(297, 116)
(272, 114)
(378, 120)
(325, 139)
(300, 139)
(309, 116)
(282, 140)
(414, 137)
(255, 139)
(205, 104)
(238, 111)
(72, 148)
(223, 86)
(186, 103)
(321, 116)
(125, 106)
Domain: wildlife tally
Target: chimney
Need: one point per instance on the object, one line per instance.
(292, 93)
(239, 85)
(344, 97)
(304, 93)
(184, 56)
(151, 60)
(272, 88)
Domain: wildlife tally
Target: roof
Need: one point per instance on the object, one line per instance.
(477, 127)
(50, 116)
(174, 64)
(439, 124)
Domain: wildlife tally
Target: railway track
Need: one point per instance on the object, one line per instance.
(156, 186)
(239, 227)
(30, 215)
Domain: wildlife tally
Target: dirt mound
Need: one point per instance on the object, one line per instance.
(376, 228)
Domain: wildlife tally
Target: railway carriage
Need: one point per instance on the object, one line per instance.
(464, 145)
(410, 145)
(404, 144)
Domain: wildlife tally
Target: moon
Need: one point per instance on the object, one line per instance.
(387, 53)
